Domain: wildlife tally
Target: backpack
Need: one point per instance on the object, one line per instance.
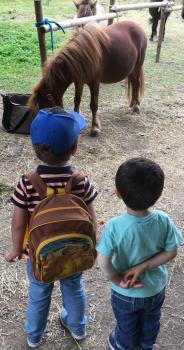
(61, 233)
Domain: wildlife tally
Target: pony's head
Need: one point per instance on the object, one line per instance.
(85, 8)
(44, 97)
(50, 89)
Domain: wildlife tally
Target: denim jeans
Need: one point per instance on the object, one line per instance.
(138, 321)
(39, 299)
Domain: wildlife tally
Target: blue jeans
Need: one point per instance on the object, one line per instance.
(39, 299)
(138, 321)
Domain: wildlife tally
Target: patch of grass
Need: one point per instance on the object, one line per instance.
(19, 50)
(5, 189)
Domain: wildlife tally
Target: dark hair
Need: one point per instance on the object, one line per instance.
(140, 182)
(44, 153)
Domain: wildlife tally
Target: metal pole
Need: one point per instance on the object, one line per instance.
(41, 34)
(112, 3)
(161, 34)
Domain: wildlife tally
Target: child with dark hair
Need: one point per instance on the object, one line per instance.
(135, 245)
(54, 133)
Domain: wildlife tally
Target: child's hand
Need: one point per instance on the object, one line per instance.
(132, 275)
(12, 255)
(128, 283)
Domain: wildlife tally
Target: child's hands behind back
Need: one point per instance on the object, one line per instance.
(128, 283)
(131, 276)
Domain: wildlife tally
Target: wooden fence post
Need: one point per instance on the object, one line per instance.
(161, 33)
(112, 2)
(41, 35)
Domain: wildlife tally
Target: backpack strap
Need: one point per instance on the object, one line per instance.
(73, 181)
(38, 184)
(43, 190)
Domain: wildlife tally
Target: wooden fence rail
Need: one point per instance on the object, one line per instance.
(114, 13)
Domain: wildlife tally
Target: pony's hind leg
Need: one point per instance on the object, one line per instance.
(136, 88)
(96, 125)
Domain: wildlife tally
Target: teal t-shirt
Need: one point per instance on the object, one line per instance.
(130, 240)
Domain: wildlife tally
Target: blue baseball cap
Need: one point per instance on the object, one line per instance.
(56, 128)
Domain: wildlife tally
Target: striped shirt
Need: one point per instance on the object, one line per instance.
(25, 196)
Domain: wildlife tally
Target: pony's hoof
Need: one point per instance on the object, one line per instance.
(94, 132)
(136, 109)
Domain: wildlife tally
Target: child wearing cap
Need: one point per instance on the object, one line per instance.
(131, 239)
(54, 133)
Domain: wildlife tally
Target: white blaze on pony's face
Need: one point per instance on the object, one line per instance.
(86, 8)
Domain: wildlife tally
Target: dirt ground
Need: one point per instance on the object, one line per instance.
(157, 133)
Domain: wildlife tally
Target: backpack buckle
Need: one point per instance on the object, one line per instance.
(50, 191)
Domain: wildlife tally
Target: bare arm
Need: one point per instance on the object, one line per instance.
(159, 259)
(112, 275)
(134, 272)
(18, 228)
(93, 215)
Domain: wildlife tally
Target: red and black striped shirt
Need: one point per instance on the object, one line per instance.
(25, 196)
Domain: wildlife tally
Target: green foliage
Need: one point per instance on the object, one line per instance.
(19, 50)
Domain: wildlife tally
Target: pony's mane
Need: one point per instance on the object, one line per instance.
(81, 56)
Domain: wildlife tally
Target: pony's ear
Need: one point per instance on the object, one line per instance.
(117, 193)
(76, 4)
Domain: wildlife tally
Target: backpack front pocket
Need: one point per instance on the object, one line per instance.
(63, 256)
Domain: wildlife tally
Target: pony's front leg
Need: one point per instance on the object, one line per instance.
(96, 126)
(78, 95)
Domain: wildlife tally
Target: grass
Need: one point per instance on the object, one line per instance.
(19, 51)
(5, 189)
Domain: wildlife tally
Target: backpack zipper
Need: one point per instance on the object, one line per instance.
(60, 208)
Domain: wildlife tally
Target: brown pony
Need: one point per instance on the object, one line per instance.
(93, 56)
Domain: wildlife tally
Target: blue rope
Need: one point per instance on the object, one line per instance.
(47, 21)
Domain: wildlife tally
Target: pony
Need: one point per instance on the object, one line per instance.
(87, 8)
(182, 12)
(156, 15)
(94, 55)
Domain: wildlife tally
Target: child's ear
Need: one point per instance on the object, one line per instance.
(74, 149)
(118, 194)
